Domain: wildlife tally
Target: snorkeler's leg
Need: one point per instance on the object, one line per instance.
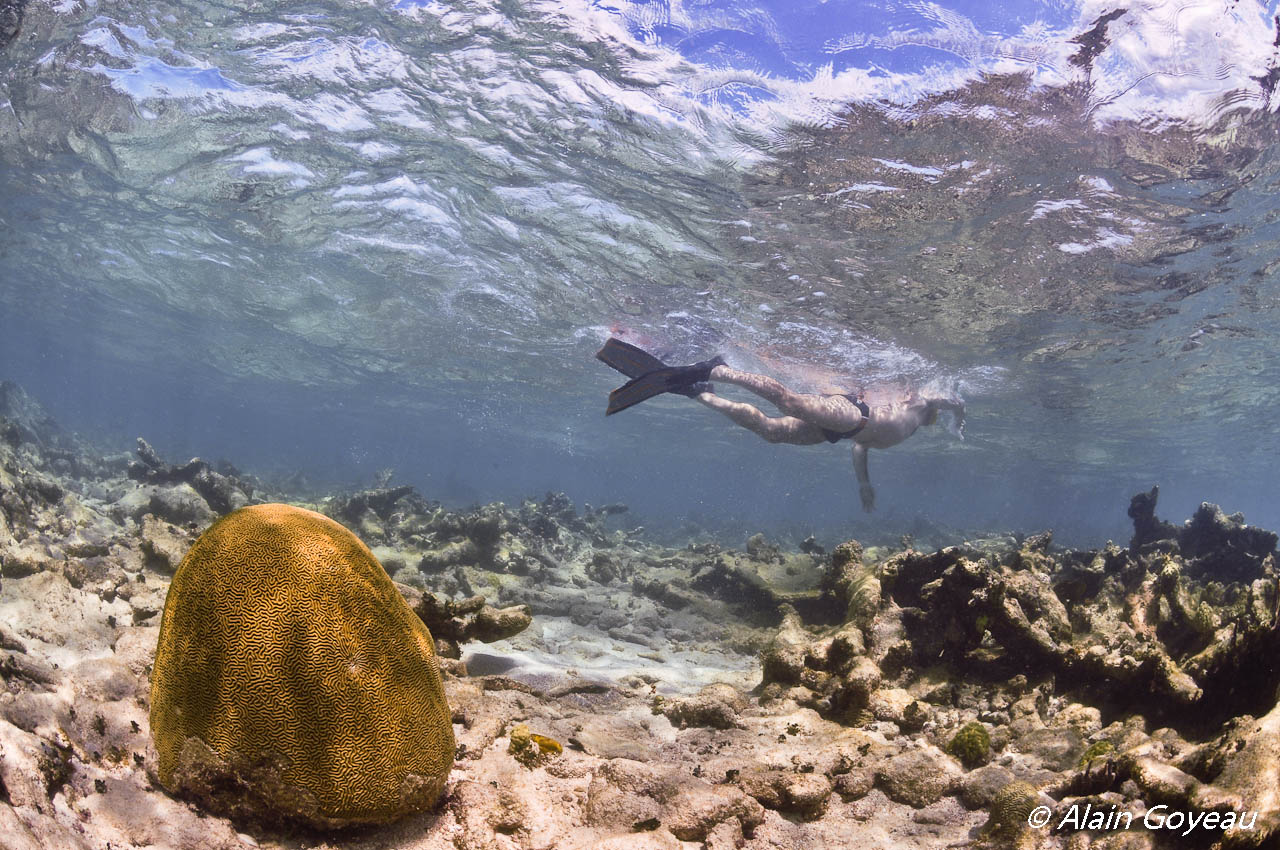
(834, 412)
(775, 429)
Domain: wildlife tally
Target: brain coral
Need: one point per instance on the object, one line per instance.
(292, 681)
(1010, 810)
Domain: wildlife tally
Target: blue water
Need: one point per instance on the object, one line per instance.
(342, 237)
(794, 40)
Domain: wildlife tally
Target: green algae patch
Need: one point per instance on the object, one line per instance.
(1095, 751)
(972, 745)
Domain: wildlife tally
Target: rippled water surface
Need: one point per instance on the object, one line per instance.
(352, 235)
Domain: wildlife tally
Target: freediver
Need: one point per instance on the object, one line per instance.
(874, 419)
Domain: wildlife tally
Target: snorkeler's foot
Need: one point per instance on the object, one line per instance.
(706, 366)
(698, 373)
(672, 379)
(695, 390)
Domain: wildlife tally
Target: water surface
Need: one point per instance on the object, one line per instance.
(344, 236)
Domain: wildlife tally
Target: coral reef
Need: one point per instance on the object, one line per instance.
(1211, 544)
(608, 692)
(222, 492)
(292, 680)
(1180, 628)
(1142, 628)
(455, 622)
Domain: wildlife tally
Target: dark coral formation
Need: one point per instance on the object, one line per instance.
(1155, 631)
(1146, 527)
(454, 622)
(1221, 547)
(1036, 647)
(222, 492)
(10, 20)
(1211, 543)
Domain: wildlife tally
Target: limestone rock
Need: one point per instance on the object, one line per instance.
(163, 544)
(979, 787)
(717, 706)
(1250, 780)
(919, 777)
(179, 504)
(24, 560)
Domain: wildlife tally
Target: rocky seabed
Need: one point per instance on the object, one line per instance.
(611, 693)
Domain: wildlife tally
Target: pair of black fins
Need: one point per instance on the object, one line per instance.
(649, 375)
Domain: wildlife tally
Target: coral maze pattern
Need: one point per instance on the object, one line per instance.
(286, 649)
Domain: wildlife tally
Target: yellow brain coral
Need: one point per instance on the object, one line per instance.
(1010, 810)
(291, 679)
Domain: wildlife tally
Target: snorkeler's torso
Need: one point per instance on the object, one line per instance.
(895, 416)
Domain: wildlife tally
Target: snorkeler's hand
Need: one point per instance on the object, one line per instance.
(957, 422)
(868, 497)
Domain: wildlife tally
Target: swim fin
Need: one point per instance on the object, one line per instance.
(668, 379)
(627, 359)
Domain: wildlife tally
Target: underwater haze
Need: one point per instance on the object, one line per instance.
(338, 237)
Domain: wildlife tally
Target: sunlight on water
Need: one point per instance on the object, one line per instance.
(443, 208)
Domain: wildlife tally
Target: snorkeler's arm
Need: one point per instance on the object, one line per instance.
(864, 478)
(956, 406)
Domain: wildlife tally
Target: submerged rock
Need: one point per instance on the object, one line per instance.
(10, 24)
(1146, 527)
(222, 493)
(918, 778)
(454, 622)
(163, 544)
(177, 503)
(1249, 781)
(24, 419)
(760, 549)
(803, 795)
(24, 559)
(633, 796)
(1222, 547)
(717, 706)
